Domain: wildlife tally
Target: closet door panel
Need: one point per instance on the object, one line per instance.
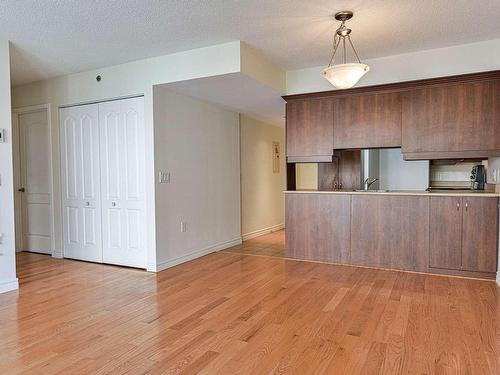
(122, 150)
(81, 183)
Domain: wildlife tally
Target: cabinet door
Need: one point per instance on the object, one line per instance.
(350, 169)
(480, 233)
(452, 118)
(318, 227)
(390, 231)
(445, 232)
(367, 121)
(309, 128)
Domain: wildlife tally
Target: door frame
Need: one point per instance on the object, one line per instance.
(16, 143)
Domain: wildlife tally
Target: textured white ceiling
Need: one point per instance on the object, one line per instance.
(54, 37)
(236, 92)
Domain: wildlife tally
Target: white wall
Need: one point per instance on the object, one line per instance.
(120, 81)
(466, 58)
(398, 174)
(8, 280)
(198, 143)
(262, 198)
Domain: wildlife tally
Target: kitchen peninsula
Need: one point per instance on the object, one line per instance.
(453, 233)
(448, 233)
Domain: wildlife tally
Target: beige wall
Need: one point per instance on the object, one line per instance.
(262, 199)
(198, 144)
(8, 280)
(306, 176)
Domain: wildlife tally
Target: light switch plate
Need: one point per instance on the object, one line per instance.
(164, 177)
(493, 170)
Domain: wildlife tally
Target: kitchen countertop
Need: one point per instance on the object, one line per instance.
(451, 193)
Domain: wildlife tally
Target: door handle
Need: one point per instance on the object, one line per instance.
(87, 204)
(21, 190)
(113, 204)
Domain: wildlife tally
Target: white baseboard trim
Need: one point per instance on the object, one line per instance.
(196, 254)
(58, 255)
(498, 278)
(9, 285)
(261, 232)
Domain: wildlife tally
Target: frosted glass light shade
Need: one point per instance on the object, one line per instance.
(345, 76)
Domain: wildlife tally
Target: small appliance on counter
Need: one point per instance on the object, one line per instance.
(478, 177)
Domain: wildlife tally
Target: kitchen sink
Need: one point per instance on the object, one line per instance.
(372, 191)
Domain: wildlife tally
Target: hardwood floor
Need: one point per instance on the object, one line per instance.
(272, 244)
(229, 313)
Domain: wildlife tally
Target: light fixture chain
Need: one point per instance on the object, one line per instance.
(345, 52)
(336, 43)
(354, 49)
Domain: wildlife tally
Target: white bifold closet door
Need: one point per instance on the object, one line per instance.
(103, 160)
(81, 182)
(122, 182)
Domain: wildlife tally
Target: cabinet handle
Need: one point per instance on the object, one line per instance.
(466, 205)
(458, 206)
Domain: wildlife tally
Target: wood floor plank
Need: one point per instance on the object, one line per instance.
(234, 313)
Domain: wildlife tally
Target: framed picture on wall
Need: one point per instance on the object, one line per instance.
(276, 157)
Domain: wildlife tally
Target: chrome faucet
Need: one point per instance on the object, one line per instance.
(369, 182)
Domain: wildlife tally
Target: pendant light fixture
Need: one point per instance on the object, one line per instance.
(345, 75)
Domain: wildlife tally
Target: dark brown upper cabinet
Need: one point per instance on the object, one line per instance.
(438, 118)
(367, 121)
(452, 120)
(309, 130)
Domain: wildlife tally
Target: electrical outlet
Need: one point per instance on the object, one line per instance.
(164, 177)
(183, 226)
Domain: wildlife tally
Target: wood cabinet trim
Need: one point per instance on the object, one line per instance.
(425, 155)
(399, 86)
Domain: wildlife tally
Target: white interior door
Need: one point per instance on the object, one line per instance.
(35, 180)
(121, 125)
(81, 182)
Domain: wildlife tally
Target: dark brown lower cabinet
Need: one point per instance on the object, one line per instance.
(318, 227)
(441, 234)
(479, 234)
(390, 231)
(464, 233)
(446, 233)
